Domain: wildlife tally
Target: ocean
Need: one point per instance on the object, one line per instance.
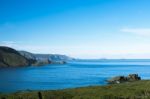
(79, 73)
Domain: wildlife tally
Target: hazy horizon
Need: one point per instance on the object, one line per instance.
(88, 29)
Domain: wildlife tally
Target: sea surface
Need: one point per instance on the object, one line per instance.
(71, 75)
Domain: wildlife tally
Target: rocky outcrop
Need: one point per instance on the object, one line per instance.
(123, 79)
(10, 57)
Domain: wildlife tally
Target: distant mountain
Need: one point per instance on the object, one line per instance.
(42, 59)
(31, 58)
(28, 55)
(52, 57)
(10, 57)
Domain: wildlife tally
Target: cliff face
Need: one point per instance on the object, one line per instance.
(10, 57)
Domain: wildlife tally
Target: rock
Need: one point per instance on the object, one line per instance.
(122, 79)
(117, 79)
(133, 77)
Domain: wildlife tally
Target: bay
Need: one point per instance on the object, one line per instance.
(71, 75)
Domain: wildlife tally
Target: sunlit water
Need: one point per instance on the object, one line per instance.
(71, 75)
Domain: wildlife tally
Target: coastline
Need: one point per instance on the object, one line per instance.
(130, 90)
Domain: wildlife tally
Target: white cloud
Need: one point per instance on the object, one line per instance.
(7, 43)
(138, 31)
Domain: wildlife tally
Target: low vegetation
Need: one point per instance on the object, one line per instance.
(129, 90)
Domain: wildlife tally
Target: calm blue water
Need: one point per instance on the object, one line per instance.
(73, 74)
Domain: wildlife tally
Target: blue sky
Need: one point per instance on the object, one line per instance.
(78, 28)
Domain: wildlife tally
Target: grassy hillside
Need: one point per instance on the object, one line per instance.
(132, 90)
(10, 57)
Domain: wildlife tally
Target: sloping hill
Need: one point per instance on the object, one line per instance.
(10, 57)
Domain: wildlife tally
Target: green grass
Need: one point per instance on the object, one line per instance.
(131, 90)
